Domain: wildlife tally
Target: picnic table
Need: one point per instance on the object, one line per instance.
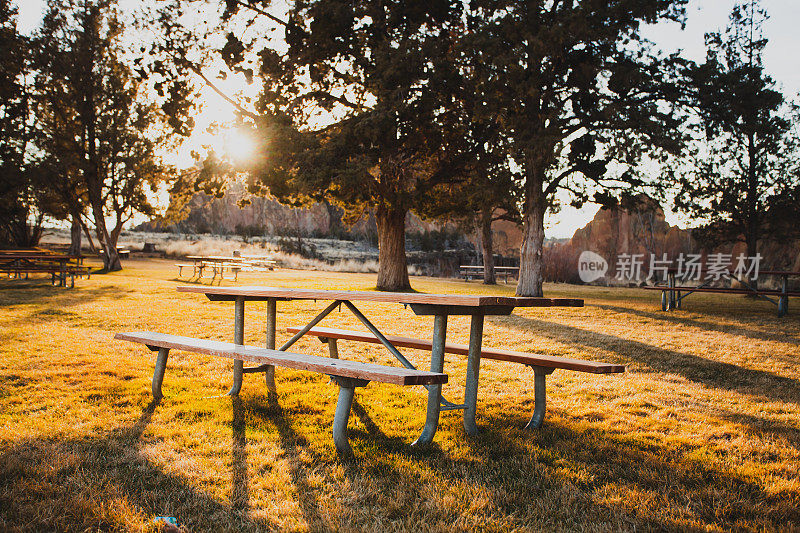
(672, 295)
(17, 263)
(349, 374)
(220, 263)
(440, 306)
(476, 271)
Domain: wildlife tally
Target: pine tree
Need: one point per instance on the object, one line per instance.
(741, 173)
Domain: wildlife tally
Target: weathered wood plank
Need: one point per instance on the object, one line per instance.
(255, 292)
(546, 361)
(325, 365)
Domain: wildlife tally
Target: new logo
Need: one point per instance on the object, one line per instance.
(591, 266)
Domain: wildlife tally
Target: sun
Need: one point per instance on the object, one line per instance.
(238, 145)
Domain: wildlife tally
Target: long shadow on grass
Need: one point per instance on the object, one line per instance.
(240, 494)
(76, 484)
(374, 437)
(291, 443)
(716, 374)
(59, 295)
(701, 324)
(651, 482)
(758, 426)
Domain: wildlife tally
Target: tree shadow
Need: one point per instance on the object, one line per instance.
(726, 376)
(701, 324)
(79, 484)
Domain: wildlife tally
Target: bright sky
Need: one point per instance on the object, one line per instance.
(781, 58)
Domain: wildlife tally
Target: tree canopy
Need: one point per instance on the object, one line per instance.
(95, 124)
(580, 96)
(740, 173)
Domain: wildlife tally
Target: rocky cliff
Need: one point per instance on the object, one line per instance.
(238, 212)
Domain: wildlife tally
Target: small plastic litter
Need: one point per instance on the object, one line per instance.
(167, 521)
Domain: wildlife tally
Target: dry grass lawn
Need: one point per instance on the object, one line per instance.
(702, 433)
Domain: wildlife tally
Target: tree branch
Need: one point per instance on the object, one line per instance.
(262, 12)
(194, 68)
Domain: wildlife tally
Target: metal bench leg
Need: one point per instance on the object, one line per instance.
(663, 300)
(269, 373)
(783, 301)
(158, 373)
(347, 388)
(540, 396)
(333, 348)
(473, 369)
(238, 338)
(434, 391)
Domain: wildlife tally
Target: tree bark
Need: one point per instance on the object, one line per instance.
(531, 267)
(392, 264)
(111, 262)
(75, 236)
(487, 245)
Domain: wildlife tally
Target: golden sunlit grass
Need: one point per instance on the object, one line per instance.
(702, 433)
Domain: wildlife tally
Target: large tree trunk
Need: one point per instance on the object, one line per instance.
(530, 265)
(75, 236)
(392, 265)
(488, 248)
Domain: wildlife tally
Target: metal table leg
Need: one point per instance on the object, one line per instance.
(238, 338)
(783, 300)
(158, 373)
(269, 373)
(671, 283)
(473, 369)
(434, 391)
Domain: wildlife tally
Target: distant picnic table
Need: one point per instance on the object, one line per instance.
(469, 272)
(348, 374)
(20, 264)
(219, 264)
(672, 295)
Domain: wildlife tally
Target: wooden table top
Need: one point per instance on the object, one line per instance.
(481, 267)
(466, 300)
(230, 258)
(39, 257)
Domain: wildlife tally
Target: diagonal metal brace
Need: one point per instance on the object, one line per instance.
(316, 320)
(391, 347)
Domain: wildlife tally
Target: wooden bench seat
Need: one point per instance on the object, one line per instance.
(195, 268)
(542, 365)
(347, 374)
